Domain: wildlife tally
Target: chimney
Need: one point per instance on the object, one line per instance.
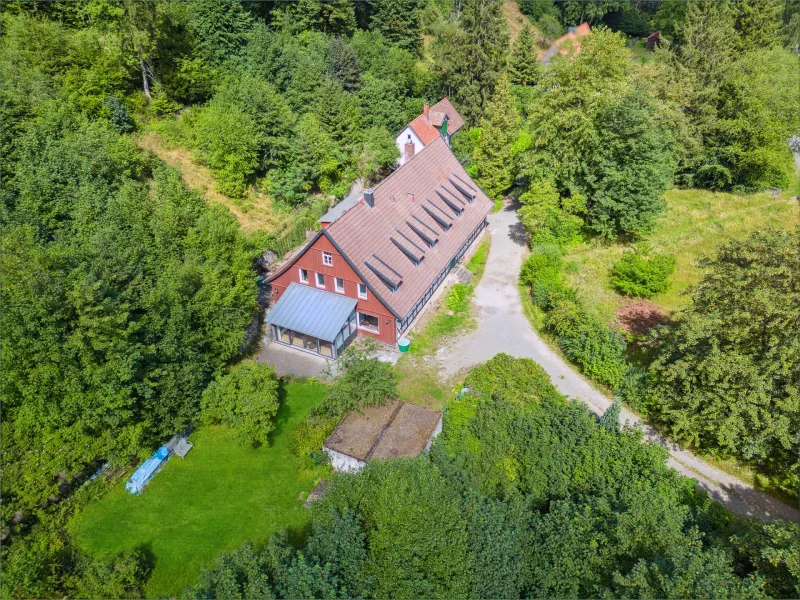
(369, 197)
(409, 150)
(425, 111)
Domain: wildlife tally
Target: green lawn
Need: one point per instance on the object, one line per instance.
(219, 496)
(695, 223)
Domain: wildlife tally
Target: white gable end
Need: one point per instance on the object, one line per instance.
(403, 138)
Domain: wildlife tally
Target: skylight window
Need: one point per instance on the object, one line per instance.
(469, 195)
(411, 256)
(443, 223)
(457, 210)
(428, 239)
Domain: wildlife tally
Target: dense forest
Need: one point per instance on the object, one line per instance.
(125, 294)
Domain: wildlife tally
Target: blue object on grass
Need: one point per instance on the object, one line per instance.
(136, 483)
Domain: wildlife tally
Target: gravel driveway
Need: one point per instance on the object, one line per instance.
(503, 328)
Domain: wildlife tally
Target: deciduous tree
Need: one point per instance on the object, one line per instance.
(726, 376)
(245, 399)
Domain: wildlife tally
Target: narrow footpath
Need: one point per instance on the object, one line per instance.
(502, 327)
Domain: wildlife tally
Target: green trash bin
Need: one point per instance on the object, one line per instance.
(403, 344)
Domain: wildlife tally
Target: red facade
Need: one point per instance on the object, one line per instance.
(312, 261)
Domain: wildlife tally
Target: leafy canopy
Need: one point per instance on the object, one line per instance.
(245, 399)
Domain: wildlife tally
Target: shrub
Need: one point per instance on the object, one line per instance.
(541, 271)
(308, 436)
(633, 390)
(365, 381)
(246, 399)
(643, 275)
(588, 342)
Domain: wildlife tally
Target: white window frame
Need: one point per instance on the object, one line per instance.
(316, 280)
(364, 295)
(336, 281)
(370, 329)
(302, 275)
(327, 259)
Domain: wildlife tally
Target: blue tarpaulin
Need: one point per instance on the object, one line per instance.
(149, 467)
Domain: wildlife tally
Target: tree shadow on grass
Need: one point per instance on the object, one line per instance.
(298, 534)
(147, 561)
(284, 415)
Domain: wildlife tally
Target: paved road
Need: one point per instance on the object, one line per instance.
(503, 328)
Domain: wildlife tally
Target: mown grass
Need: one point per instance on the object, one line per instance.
(221, 495)
(695, 223)
(477, 264)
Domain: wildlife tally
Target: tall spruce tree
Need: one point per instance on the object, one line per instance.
(523, 65)
(398, 21)
(499, 129)
(471, 56)
(610, 418)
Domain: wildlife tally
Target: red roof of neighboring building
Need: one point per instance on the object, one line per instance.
(656, 34)
(428, 126)
(379, 239)
(443, 107)
(567, 42)
(424, 130)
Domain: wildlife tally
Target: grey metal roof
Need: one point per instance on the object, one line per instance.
(311, 311)
(343, 206)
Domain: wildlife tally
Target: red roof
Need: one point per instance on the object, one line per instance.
(428, 126)
(443, 107)
(656, 34)
(424, 130)
(567, 42)
(371, 238)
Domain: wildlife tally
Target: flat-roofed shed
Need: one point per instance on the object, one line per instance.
(390, 431)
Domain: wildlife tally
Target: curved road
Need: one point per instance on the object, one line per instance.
(502, 327)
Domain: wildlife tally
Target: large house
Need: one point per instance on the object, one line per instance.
(438, 121)
(568, 43)
(378, 260)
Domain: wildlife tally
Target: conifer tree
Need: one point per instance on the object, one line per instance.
(493, 155)
(610, 419)
(524, 67)
(758, 23)
(338, 112)
(471, 56)
(398, 21)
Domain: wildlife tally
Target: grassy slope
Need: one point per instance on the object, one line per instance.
(516, 20)
(219, 496)
(695, 223)
(255, 213)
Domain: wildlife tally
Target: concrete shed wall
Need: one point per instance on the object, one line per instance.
(342, 463)
(436, 432)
